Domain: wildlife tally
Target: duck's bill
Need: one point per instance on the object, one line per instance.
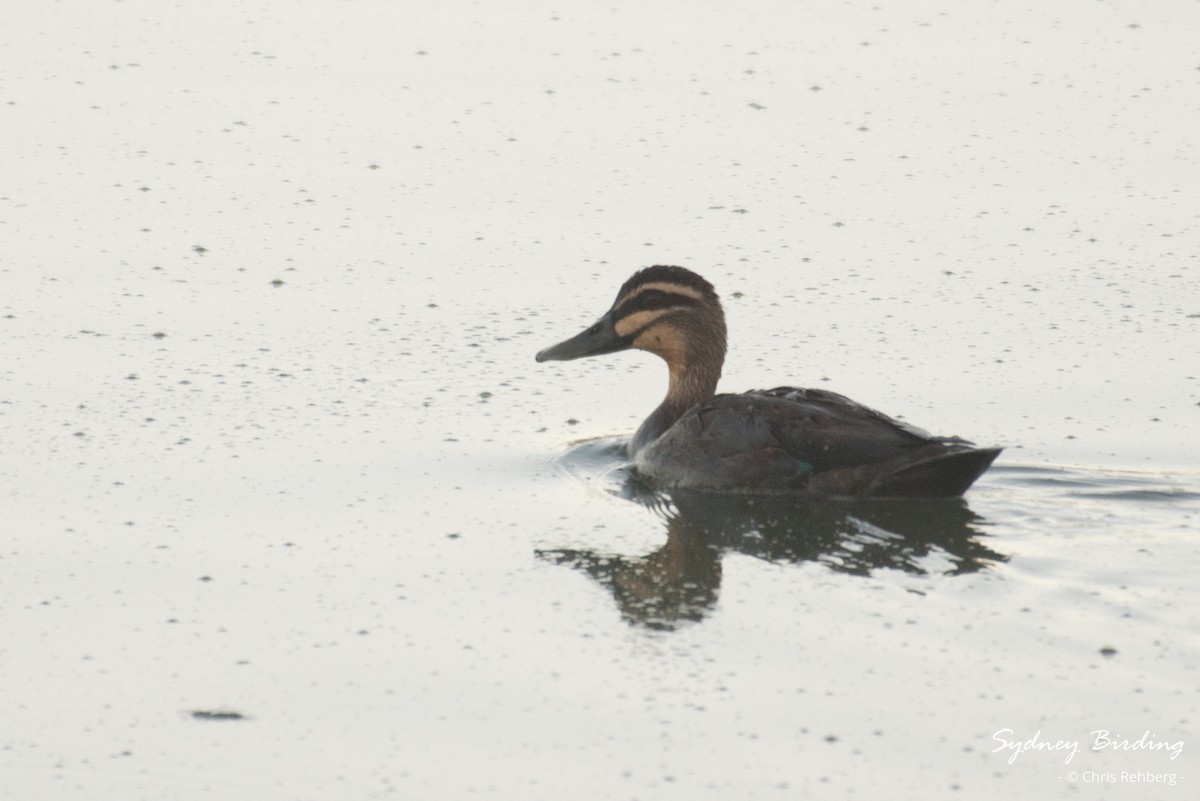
(597, 339)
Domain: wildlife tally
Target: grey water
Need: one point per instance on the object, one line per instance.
(291, 512)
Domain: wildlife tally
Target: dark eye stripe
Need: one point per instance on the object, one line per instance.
(663, 300)
(654, 299)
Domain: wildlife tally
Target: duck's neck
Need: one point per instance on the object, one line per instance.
(690, 383)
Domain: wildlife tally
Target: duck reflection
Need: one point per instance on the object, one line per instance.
(680, 581)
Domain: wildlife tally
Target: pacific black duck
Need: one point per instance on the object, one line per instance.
(785, 440)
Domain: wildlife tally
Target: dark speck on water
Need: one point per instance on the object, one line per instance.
(212, 714)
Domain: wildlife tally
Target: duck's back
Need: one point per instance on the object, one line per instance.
(808, 442)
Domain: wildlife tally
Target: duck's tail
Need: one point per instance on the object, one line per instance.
(945, 474)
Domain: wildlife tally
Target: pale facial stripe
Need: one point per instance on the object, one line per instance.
(630, 325)
(663, 286)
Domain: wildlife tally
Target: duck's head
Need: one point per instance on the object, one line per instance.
(669, 311)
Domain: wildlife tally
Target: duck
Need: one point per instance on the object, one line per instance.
(783, 441)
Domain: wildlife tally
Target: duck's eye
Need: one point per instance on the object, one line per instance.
(595, 329)
(652, 296)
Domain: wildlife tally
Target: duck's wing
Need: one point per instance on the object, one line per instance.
(807, 440)
(822, 428)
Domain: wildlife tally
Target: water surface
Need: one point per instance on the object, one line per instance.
(291, 512)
